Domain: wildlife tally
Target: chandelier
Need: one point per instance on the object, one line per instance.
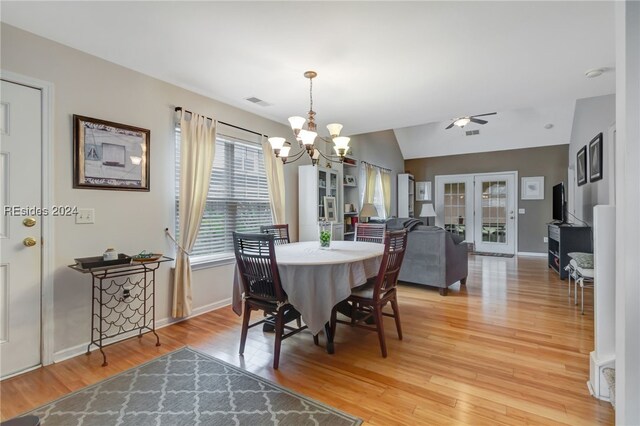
(306, 137)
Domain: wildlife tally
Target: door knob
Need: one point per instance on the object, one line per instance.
(29, 241)
(29, 222)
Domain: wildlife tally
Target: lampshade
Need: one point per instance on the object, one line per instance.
(368, 210)
(341, 142)
(277, 143)
(135, 160)
(427, 210)
(297, 122)
(334, 129)
(307, 137)
(284, 151)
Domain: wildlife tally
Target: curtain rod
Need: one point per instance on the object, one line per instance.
(379, 167)
(222, 122)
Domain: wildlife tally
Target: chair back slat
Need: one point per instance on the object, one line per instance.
(280, 232)
(256, 259)
(370, 232)
(395, 245)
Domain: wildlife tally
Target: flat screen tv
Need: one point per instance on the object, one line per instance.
(558, 202)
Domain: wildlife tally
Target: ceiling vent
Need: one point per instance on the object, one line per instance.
(257, 101)
(472, 132)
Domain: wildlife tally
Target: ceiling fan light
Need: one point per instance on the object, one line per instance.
(342, 142)
(334, 129)
(276, 142)
(297, 122)
(461, 122)
(307, 137)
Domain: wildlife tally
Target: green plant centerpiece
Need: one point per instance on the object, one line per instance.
(324, 234)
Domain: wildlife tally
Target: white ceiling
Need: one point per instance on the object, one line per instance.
(381, 65)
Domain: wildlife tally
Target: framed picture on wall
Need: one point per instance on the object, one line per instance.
(532, 188)
(595, 158)
(109, 155)
(423, 191)
(581, 166)
(330, 209)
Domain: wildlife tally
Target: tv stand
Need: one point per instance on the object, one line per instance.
(564, 239)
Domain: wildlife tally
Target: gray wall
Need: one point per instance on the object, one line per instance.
(592, 116)
(128, 221)
(381, 149)
(550, 162)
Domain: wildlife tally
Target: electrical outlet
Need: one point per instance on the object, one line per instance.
(85, 216)
(545, 239)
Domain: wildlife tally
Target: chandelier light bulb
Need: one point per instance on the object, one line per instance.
(307, 137)
(284, 151)
(342, 142)
(276, 142)
(334, 129)
(297, 123)
(135, 160)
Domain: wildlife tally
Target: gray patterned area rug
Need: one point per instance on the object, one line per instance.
(187, 387)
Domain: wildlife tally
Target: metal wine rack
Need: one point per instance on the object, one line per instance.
(123, 301)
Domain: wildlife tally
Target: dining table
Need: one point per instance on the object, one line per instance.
(317, 279)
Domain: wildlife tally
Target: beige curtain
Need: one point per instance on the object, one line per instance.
(274, 169)
(370, 186)
(197, 150)
(386, 191)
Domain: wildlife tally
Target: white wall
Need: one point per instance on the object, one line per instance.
(128, 221)
(627, 208)
(521, 128)
(592, 116)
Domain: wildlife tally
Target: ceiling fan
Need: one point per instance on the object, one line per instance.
(463, 121)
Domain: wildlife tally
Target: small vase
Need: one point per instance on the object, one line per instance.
(325, 234)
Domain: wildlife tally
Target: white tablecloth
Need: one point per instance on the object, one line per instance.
(316, 280)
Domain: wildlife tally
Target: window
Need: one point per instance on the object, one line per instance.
(378, 197)
(238, 198)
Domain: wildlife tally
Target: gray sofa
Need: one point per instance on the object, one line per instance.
(434, 257)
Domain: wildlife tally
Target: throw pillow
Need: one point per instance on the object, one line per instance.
(584, 260)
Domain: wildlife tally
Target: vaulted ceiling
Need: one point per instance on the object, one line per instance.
(381, 65)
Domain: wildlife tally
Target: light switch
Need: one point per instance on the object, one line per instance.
(520, 211)
(86, 216)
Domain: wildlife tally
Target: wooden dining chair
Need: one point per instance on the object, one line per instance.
(370, 232)
(368, 300)
(256, 260)
(280, 232)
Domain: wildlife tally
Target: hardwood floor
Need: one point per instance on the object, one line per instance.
(510, 348)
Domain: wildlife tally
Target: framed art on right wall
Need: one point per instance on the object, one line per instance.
(581, 166)
(595, 158)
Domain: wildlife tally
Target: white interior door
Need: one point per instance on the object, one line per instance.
(495, 215)
(20, 226)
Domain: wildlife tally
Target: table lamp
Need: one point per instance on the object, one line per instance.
(368, 210)
(427, 211)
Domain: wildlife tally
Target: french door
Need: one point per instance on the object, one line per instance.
(480, 208)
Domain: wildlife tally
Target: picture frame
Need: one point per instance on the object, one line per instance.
(108, 155)
(581, 166)
(423, 191)
(532, 188)
(349, 180)
(595, 159)
(329, 209)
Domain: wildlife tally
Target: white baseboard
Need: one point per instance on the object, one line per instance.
(532, 254)
(73, 351)
(597, 384)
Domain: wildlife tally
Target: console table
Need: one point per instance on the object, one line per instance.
(123, 300)
(565, 239)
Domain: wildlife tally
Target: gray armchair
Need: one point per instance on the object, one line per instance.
(434, 257)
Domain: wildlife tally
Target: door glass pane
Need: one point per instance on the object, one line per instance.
(454, 208)
(494, 212)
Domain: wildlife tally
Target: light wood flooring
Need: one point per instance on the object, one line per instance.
(510, 348)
